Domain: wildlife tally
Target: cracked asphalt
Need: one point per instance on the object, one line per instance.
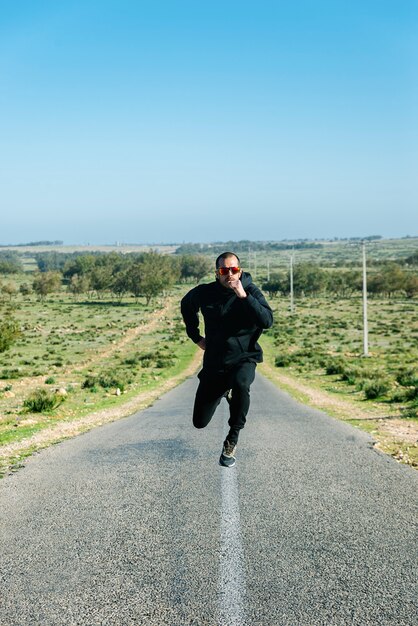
(121, 526)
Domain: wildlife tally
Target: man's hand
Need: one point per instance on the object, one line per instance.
(236, 286)
(202, 343)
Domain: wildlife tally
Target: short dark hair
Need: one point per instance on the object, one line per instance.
(226, 255)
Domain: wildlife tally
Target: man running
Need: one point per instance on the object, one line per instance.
(235, 313)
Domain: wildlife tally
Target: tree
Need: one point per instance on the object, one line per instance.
(101, 278)
(411, 285)
(152, 275)
(81, 264)
(276, 284)
(393, 278)
(341, 283)
(134, 279)
(9, 289)
(79, 284)
(46, 283)
(308, 278)
(194, 267)
(10, 263)
(50, 261)
(389, 280)
(121, 283)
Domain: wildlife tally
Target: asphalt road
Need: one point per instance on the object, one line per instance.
(136, 523)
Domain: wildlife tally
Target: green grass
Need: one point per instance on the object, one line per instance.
(59, 336)
(321, 345)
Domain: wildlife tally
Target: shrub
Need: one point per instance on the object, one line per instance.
(131, 360)
(405, 395)
(375, 388)
(335, 366)
(407, 377)
(282, 360)
(164, 361)
(147, 359)
(50, 380)
(9, 332)
(14, 372)
(106, 380)
(89, 382)
(350, 374)
(41, 400)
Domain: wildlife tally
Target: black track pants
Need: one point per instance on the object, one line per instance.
(213, 387)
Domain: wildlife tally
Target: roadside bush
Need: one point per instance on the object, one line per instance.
(282, 360)
(405, 395)
(351, 374)
(375, 388)
(335, 366)
(407, 376)
(89, 382)
(42, 400)
(107, 380)
(151, 359)
(164, 361)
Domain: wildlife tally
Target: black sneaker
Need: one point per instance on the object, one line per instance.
(227, 458)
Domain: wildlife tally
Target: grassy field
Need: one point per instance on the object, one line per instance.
(79, 363)
(76, 358)
(316, 354)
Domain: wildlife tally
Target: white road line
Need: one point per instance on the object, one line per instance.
(231, 567)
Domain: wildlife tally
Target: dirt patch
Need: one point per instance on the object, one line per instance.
(401, 430)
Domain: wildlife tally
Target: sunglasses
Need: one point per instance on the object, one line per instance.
(224, 271)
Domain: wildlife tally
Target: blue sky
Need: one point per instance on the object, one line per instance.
(170, 121)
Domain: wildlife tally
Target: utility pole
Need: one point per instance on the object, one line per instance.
(365, 325)
(292, 304)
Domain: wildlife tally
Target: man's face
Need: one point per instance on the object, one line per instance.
(230, 279)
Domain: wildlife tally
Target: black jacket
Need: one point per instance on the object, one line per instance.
(232, 325)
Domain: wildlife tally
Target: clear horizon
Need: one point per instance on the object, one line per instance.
(52, 243)
(185, 122)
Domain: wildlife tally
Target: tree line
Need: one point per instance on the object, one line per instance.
(311, 279)
(147, 274)
(150, 274)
